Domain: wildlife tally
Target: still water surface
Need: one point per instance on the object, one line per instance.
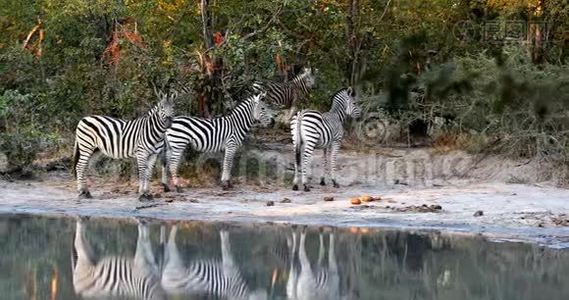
(69, 258)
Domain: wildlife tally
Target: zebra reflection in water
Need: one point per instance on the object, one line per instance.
(306, 283)
(212, 277)
(116, 276)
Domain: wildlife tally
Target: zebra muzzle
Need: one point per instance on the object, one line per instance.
(168, 122)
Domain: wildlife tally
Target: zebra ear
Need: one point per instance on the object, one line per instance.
(173, 96)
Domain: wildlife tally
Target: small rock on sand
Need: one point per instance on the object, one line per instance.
(478, 213)
(270, 203)
(328, 198)
(356, 201)
(286, 200)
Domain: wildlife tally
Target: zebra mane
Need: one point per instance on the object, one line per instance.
(241, 106)
(300, 77)
(338, 100)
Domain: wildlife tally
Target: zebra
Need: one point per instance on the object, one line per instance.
(285, 95)
(306, 283)
(142, 138)
(218, 279)
(212, 135)
(115, 276)
(312, 129)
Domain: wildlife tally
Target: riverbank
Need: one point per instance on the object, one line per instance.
(417, 189)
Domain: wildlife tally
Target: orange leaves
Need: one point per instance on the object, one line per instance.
(125, 30)
(218, 38)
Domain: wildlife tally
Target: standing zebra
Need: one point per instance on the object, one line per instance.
(312, 129)
(308, 283)
(142, 138)
(219, 134)
(213, 278)
(115, 276)
(285, 95)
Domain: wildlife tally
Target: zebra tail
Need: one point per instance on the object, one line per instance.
(75, 159)
(299, 141)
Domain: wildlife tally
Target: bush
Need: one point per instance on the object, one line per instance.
(22, 136)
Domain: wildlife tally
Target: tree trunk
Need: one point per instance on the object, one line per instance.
(211, 92)
(355, 41)
(536, 32)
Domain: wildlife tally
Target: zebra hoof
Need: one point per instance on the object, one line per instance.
(83, 218)
(306, 188)
(322, 182)
(145, 197)
(85, 195)
(226, 185)
(165, 187)
(295, 187)
(335, 184)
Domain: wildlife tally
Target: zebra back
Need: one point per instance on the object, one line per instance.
(286, 94)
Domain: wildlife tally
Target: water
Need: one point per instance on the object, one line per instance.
(39, 261)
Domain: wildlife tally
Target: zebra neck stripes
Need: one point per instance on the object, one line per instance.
(241, 118)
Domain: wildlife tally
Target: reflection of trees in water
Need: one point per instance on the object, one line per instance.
(374, 264)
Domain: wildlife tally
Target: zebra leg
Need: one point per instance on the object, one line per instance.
(174, 278)
(229, 267)
(144, 160)
(80, 169)
(335, 148)
(292, 280)
(227, 165)
(306, 164)
(303, 257)
(144, 256)
(172, 255)
(82, 250)
(173, 162)
(320, 248)
(332, 264)
(296, 177)
(164, 178)
(325, 157)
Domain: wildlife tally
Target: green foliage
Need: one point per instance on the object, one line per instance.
(22, 135)
(101, 57)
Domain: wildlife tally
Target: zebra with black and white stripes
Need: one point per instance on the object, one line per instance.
(312, 129)
(320, 283)
(285, 95)
(142, 138)
(210, 277)
(213, 135)
(121, 277)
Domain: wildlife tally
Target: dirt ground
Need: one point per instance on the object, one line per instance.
(416, 189)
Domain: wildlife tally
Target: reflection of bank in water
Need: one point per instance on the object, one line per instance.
(356, 263)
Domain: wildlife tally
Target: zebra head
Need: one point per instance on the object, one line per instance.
(166, 107)
(308, 76)
(352, 108)
(261, 112)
